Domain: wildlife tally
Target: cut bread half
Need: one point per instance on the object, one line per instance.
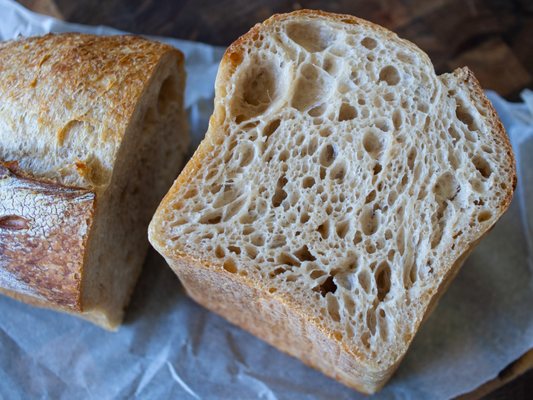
(339, 187)
(92, 133)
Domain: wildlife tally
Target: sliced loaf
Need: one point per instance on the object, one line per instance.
(92, 133)
(339, 187)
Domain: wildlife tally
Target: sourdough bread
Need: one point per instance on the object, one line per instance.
(92, 132)
(339, 187)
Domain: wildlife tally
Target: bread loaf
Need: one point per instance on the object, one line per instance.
(92, 132)
(340, 185)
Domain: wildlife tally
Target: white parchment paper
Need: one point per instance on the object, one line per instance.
(169, 347)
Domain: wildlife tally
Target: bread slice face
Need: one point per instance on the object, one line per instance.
(92, 133)
(339, 187)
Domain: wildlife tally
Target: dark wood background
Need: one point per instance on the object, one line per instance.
(492, 37)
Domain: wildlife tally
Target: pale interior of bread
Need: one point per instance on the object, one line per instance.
(148, 160)
(342, 173)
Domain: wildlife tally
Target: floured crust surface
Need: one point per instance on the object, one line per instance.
(341, 179)
(43, 233)
(89, 86)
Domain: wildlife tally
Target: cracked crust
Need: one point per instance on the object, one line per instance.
(84, 117)
(44, 229)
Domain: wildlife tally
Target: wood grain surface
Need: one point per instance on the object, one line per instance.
(492, 37)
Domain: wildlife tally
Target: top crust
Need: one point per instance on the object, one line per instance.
(67, 100)
(44, 229)
(181, 228)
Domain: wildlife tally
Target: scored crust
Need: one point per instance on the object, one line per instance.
(42, 225)
(277, 317)
(96, 128)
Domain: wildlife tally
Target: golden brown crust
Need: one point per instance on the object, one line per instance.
(67, 102)
(275, 319)
(73, 95)
(43, 234)
(240, 299)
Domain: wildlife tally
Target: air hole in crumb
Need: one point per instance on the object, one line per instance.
(369, 43)
(317, 111)
(283, 155)
(484, 215)
(486, 149)
(323, 229)
(406, 58)
(347, 112)
(383, 124)
(288, 259)
(383, 326)
(317, 273)
(370, 197)
(482, 166)
(465, 116)
(364, 280)
(365, 339)
(369, 221)
(230, 266)
(372, 144)
(325, 132)
(411, 157)
(258, 240)
(219, 252)
(333, 306)
(410, 275)
(377, 168)
(328, 286)
(390, 75)
(245, 154)
(277, 271)
(303, 254)
(390, 97)
(304, 218)
(446, 186)
(251, 251)
(322, 173)
(271, 128)
(308, 182)
(234, 249)
(338, 171)
(370, 247)
(234, 208)
(342, 228)
(397, 119)
(391, 198)
(327, 155)
(330, 65)
(383, 280)
(260, 89)
(312, 36)
(213, 217)
(371, 321)
(358, 237)
(190, 193)
(279, 194)
(311, 87)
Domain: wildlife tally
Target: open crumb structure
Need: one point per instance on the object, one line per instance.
(339, 187)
